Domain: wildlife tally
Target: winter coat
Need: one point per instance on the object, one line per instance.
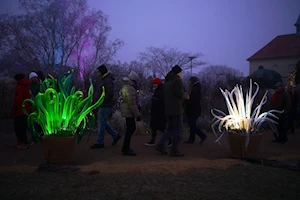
(108, 83)
(193, 106)
(174, 95)
(158, 120)
(281, 100)
(129, 106)
(22, 93)
(34, 89)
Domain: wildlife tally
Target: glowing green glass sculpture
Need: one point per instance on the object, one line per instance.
(60, 110)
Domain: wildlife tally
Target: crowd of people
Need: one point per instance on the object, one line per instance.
(169, 102)
(285, 100)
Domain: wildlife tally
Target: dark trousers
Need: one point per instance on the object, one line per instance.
(175, 129)
(281, 128)
(154, 133)
(194, 128)
(290, 123)
(130, 128)
(20, 126)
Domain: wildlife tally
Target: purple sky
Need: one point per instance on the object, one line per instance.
(225, 32)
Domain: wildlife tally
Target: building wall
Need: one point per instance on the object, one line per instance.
(281, 65)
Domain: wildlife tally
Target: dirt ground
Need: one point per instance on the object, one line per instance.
(110, 159)
(206, 172)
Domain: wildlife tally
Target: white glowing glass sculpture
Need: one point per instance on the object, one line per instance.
(241, 118)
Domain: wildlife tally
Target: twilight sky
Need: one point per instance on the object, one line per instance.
(224, 31)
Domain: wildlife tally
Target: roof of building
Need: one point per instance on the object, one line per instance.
(280, 46)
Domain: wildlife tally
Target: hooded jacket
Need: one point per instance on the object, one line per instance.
(129, 106)
(174, 95)
(108, 83)
(22, 93)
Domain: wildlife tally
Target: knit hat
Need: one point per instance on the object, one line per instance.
(102, 69)
(176, 69)
(156, 81)
(279, 84)
(18, 77)
(33, 75)
(194, 79)
(133, 76)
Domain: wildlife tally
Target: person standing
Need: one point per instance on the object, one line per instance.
(293, 111)
(281, 101)
(34, 84)
(174, 96)
(105, 109)
(193, 110)
(20, 121)
(34, 90)
(129, 109)
(158, 119)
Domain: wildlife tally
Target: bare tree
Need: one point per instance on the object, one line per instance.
(161, 60)
(59, 33)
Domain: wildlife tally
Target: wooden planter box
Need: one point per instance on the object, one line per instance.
(238, 145)
(58, 150)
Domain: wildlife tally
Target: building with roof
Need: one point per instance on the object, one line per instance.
(281, 54)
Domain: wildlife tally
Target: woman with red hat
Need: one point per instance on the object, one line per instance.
(158, 120)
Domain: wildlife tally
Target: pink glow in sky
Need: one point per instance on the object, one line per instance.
(226, 32)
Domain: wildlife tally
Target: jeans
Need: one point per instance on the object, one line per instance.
(103, 125)
(194, 129)
(20, 126)
(130, 128)
(175, 129)
(154, 133)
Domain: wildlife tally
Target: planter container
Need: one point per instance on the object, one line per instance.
(237, 145)
(58, 150)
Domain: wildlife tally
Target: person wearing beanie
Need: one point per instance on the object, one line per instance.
(174, 95)
(158, 121)
(177, 70)
(193, 110)
(34, 84)
(105, 109)
(20, 121)
(129, 109)
(34, 90)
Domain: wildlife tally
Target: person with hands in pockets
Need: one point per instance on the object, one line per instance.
(129, 109)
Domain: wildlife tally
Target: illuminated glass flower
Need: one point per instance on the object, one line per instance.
(241, 118)
(60, 110)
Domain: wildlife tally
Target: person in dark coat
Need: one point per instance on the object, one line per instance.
(20, 121)
(193, 110)
(34, 90)
(105, 109)
(281, 101)
(293, 112)
(158, 119)
(174, 96)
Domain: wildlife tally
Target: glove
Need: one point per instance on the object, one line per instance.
(138, 119)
